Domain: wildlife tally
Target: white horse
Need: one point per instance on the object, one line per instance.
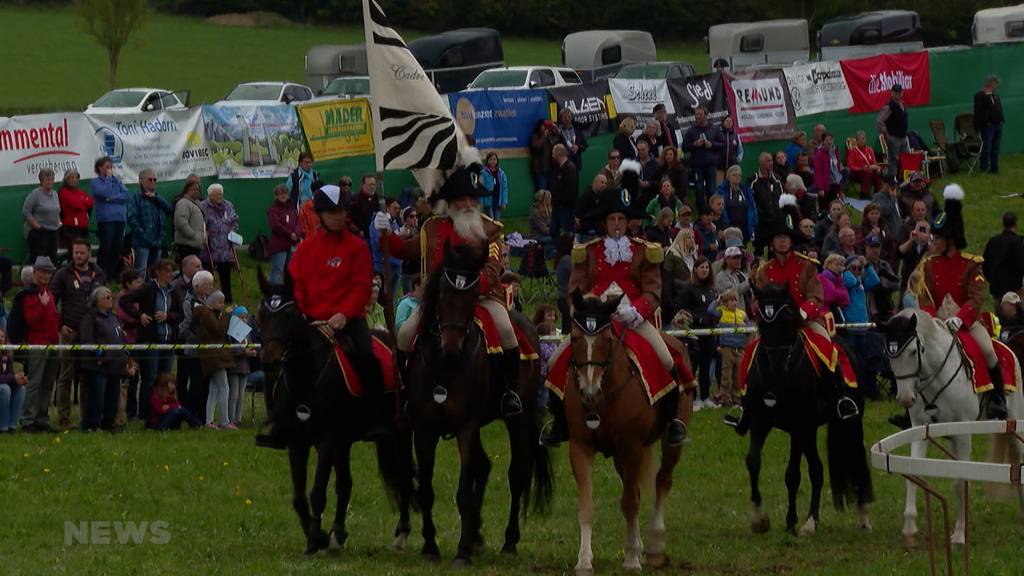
(932, 380)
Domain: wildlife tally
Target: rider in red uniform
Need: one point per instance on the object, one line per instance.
(952, 279)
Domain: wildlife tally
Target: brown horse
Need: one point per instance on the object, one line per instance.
(608, 411)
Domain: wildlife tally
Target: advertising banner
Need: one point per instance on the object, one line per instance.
(708, 91)
(761, 105)
(253, 141)
(337, 129)
(817, 87)
(637, 98)
(591, 106)
(871, 79)
(170, 142)
(56, 141)
(499, 118)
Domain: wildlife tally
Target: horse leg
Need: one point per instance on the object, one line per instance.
(426, 446)
(816, 472)
(759, 522)
(581, 458)
(465, 497)
(654, 550)
(520, 469)
(962, 449)
(793, 477)
(633, 464)
(481, 473)
(343, 491)
(404, 527)
(316, 539)
(917, 450)
(298, 460)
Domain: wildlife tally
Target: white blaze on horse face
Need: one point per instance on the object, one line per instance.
(905, 365)
(591, 377)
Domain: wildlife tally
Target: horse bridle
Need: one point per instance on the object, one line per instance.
(274, 305)
(461, 281)
(923, 384)
(609, 395)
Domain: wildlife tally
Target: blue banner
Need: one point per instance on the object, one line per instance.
(499, 118)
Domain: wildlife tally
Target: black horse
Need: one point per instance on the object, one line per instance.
(313, 409)
(785, 392)
(453, 391)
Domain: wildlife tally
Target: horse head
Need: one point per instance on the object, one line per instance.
(279, 318)
(593, 343)
(903, 337)
(778, 314)
(451, 297)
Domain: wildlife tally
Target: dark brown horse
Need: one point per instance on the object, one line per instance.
(313, 409)
(453, 392)
(608, 411)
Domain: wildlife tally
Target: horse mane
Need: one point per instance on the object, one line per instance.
(463, 258)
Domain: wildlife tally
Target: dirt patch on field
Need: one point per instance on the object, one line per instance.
(250, 20)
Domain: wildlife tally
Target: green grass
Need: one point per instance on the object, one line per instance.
(51, 65)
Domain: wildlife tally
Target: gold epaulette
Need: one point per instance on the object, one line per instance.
(808, 258)
(654, 253)
(973, 257)
(487, 218)
(579, 251)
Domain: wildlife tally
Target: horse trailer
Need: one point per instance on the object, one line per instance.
(869, 34)
(596, 54)
(325, 62)
(998, 25)
(769, 42)
(455, 58)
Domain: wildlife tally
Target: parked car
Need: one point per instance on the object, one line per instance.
(869, 34)
(325, 62)
(998, 25)
(345, 87)
(128, 100)
(745, 44)
(453, 59)
(524, 77)
(656, 71)
(268, 92)
(596, 54)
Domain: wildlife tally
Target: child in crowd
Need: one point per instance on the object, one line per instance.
(375, 317)
(409, 302)
(513, 291)
(130, 280)
(1011, 317)
(547, 350)
(12, 390)
(165, 412)
(213, 329)
(239, 375)
(730, 346)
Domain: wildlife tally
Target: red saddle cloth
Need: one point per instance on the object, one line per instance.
(1010, 365)
(384, 356)
(656, 379)
(493, 340)
(822, 352)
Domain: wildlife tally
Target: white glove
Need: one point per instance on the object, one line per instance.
(382, 222)
(954, 323)
(628, 314)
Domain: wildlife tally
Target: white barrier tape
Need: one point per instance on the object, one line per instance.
(124, 347)
(721, 331)
(882, 457)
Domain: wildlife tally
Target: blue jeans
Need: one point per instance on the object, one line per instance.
(704, 183)
(992, 141)
(561, 222)
(111, 235)
(154, 362)
(145, 258)
(11, 400)
(277, 263)
(101, 402)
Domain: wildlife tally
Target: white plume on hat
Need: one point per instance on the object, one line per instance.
(431, 181)
(630, 165)
(953, 192)
(787, 200)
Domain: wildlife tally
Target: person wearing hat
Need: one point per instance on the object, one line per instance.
(732, 277)
(458, 221)
(34, 320)
(951, 287)
(988, 120)
(893, 124)
(917, 189)
(615, 264)
(1011, 316)
(879, 300)
(667, 136)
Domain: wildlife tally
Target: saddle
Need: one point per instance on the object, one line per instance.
(343, 355)
(823, 354)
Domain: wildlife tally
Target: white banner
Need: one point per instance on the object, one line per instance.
(818, 87)
(172, 143)
(57, 141)
(759, 102)
(638, 98)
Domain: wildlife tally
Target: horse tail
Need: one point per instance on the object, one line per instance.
(543, 480)
(848, 471)
(397, 468)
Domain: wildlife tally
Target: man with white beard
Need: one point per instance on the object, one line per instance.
(458, 221)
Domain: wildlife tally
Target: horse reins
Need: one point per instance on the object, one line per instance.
(918, 386)
(612, 394)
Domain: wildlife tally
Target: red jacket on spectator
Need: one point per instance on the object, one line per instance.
(860, 158)
(74, 207)
(332, 272)
(42, 322)
(283, 221)
(159, 406)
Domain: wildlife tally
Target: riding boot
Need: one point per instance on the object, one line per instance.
(677, 432)
(271, 435)
(511, 404)
(994, 400)
(558, 431)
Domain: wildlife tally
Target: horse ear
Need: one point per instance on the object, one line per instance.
(288, 289)
(882, 326)
(913, 322)
(577, 299)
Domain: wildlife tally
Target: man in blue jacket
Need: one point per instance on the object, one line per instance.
(146, 214)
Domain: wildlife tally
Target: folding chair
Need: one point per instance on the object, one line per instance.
(884, 147)
(940, 152)
(968, 142)
(537, 282)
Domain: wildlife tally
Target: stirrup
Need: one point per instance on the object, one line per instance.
(732, 417)
(548, 438)
(682, 435)
(511, 404)
(846, 408)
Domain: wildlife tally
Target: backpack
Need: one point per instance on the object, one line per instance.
(259, 248)
(16, 328)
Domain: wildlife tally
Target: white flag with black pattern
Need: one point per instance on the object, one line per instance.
(413, 127)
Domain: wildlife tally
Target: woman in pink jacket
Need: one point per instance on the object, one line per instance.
(834, 296)
(829, 173)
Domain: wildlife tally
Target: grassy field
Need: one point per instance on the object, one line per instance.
(58, 67)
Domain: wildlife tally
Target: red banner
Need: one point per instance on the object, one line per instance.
(871, 79)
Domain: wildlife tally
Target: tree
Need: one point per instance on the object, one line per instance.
(111, 22)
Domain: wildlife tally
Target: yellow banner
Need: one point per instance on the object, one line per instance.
(338, 128)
